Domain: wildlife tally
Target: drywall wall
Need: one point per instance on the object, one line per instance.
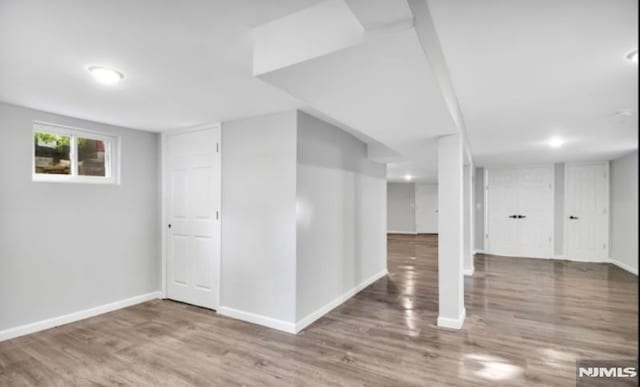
(624, 211)
(426, 208)
(401, 216)
(558, 215)
(341, 200)
(68, 247)
(479, 208)
(303, 219)
(259, 216)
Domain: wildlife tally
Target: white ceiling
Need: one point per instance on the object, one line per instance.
(522, 71)
(384, 88)
(186, 63)
(374, 78)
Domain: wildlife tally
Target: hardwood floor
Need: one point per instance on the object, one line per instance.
(528, 320)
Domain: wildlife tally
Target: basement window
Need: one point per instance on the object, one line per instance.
(69, 155)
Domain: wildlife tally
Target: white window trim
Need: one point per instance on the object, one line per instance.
(112, 155)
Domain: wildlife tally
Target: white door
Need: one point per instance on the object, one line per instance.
(520, 211)
(193, 179)
(502, 210)
(426, 208)
(587, 211)
(535, 211)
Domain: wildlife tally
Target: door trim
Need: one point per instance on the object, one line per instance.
(163, 203)
(607, 166)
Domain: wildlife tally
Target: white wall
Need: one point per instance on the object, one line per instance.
(303, 219)
(70, 247)
(341, 234)
(259, 216)
(401, 216)
(426, 208)
(624, 211)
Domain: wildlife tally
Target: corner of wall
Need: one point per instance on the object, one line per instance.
(328, 307)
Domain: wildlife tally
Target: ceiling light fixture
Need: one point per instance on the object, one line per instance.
(104, 75)
(556, 142)
(408, 177)
(624, 113)
(632, 56)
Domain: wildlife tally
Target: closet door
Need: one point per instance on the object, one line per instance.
(193, 181)
(535, 211)
(426, 208)
(587, 211)
(502, 209)
(520, 211)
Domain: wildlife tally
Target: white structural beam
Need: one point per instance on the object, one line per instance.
(319, 30)
(454, 226)
(428, 37)
(451, 311)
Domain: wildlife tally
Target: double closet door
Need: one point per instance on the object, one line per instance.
(520, 208)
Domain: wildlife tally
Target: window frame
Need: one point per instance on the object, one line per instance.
(112, 145)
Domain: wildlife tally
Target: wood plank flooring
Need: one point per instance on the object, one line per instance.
(528, 320)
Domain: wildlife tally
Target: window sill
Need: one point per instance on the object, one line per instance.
(40, 178)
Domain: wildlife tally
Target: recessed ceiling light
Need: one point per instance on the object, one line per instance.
(556, 142)
(105, 75)
(632, 56)
(624, 113)
(408, 177)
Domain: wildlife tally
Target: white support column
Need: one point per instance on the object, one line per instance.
(468, 217)
(472, 216)
(450, 231)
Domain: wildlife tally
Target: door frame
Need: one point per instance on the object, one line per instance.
(607, 166)
(487, 236)
(164, 197)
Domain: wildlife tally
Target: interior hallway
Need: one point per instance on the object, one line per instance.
(386, 335)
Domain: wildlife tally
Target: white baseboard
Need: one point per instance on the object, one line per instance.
(624, 266)
(588, 260)
(290, 327)
(613, 261)
(318, 313)
(402, 232)
(75, 316)
(518, 256)
(554, 256)
(452, 323)
(469, 272)
(259, 319)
